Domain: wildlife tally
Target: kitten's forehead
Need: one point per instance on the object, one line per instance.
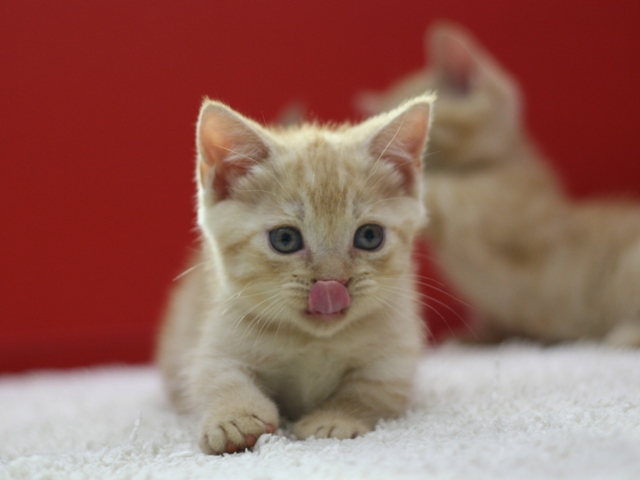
(327, 170)
(324, 181)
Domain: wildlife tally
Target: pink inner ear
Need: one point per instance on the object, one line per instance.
(456, 62)
(224, 173)
(402, 142)
(413, 132)
(229, 148)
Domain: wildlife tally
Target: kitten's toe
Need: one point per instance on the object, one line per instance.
(234, 431)
(323, 424)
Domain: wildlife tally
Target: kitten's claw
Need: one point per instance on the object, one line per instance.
(322, 424)
(234, 431)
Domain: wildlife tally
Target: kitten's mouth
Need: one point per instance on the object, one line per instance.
(328, 300)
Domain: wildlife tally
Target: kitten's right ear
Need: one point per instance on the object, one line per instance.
(229, 145)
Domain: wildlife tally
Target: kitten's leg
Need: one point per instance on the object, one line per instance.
(236, 411)
(625, 334)
(364, 397)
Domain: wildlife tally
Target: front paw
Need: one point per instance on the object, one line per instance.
(236, 427)
(327, 424)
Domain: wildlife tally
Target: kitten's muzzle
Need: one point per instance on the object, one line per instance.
(328, 299)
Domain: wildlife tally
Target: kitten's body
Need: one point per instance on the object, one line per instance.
(531, 261)
(252, 332)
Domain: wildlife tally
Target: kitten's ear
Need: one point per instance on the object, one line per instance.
(402, 139)
(368, 102)
(229, 145)
(292, 114)
(455, 57)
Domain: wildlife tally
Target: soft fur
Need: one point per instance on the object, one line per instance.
(239, 345)
(531, 261)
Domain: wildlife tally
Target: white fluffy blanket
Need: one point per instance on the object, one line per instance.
(510, 412)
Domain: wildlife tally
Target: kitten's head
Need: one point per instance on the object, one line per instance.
(478, 107)
(311, 227)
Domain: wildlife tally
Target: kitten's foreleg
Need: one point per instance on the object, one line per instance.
(235, 411)
(364, 397)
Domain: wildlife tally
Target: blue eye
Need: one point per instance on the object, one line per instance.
(286, 239)
(369, 237)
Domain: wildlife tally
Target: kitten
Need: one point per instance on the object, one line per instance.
(530, 261)
(302, 300)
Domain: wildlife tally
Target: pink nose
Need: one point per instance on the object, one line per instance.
(327, 297)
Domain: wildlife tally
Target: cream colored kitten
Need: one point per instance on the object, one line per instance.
(531, 261)
(302, 301)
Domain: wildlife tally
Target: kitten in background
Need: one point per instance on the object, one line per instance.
(302, 301)
(531, 261)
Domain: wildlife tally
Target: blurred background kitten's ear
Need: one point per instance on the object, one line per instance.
(368, 102)
(454, 60)
(460, 65)
(294, 113)
(454, 57)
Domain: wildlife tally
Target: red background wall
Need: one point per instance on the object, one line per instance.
(98, 103)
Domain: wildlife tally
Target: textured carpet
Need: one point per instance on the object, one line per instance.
(514, 411)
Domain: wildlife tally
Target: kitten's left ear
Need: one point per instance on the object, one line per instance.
(402, 139)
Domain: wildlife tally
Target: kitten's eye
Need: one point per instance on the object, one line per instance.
(368, 237)
(286, 239)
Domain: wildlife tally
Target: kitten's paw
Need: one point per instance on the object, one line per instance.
(237, 428)
(325, 424)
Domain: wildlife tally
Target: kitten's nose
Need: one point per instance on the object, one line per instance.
(327, 297)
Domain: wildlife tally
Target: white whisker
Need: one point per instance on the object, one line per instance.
(266, 320)
(392, 302)
(242, 316)
(189, 270)
(433, 287)
(402, 293)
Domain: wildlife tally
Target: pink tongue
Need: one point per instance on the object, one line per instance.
(328, 297)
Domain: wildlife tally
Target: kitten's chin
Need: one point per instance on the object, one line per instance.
(323, 324)
(325, 317)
